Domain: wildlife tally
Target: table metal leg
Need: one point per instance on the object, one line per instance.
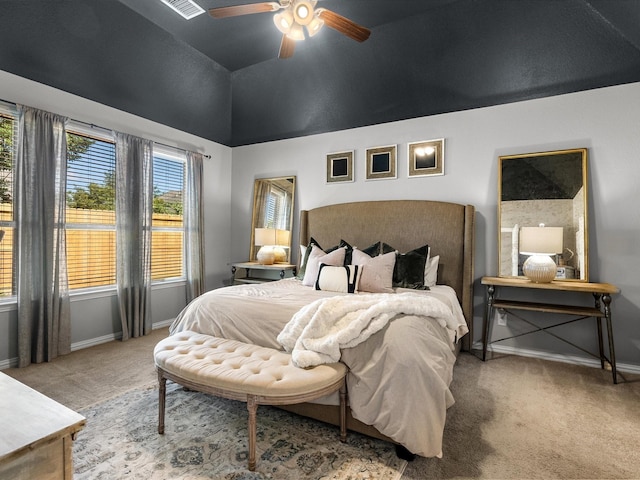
(606, 300)
(597, 297)
(486, 321)
(600, 341)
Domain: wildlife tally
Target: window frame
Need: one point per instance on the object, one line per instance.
(102, 135)
(12, 113)
(174, 155)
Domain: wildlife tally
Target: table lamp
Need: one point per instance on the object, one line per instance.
(265, 238)
(541, 243)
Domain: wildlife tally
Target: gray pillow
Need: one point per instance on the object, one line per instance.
(377, 272)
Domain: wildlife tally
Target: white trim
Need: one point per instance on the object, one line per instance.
(557, 357)
(8, 363)
(8, 304)
(92, 342)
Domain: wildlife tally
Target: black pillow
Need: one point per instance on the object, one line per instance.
(372, 250)
(348, 253)
(408, 271)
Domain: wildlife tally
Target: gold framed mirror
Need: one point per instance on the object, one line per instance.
(272, 219)
(538, 190)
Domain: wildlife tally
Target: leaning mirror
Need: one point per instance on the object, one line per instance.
(272, 220)
(542, 197)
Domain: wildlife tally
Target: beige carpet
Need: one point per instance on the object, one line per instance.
(514, 417)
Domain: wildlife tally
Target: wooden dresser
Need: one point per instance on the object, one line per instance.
(36, 434)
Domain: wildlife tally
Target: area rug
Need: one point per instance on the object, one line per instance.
(206, 438)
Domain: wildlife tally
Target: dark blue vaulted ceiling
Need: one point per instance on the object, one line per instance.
(221, 79)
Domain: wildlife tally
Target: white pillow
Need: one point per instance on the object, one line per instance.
(431, 271)
(339, 279)
(377, 276)
(316, 257)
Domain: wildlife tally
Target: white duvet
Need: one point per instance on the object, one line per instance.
(400, 360)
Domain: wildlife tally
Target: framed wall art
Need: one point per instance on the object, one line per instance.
(340, 167)
(381, 162)
(426, 158)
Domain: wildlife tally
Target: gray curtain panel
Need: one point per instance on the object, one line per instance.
(134, 209)
(194, 226)
(44, 325)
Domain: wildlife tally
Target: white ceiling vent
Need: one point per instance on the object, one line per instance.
(187, 8)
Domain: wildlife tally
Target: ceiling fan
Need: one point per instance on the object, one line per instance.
(295, 15)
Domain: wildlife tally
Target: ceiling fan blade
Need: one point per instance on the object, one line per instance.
(343, 25)
(287, 47)
(234, 11)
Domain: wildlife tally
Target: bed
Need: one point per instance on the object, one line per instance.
(399, 374)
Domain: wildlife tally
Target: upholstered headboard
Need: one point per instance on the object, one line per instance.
(448, 228)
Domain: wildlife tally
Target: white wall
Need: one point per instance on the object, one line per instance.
(95, 318)
(606, 121)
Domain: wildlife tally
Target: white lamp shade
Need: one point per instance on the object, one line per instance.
(265, 236)
(314, 26)
(282, 237)
(283, 21)
(303, 12)
(541, 240)
(296, 33)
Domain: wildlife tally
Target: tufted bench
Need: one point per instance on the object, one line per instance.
(240, 371)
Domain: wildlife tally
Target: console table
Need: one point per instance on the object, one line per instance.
(36, 434)
(601, 293)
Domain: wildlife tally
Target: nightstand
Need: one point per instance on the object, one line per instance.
(601, 293)
(252, 272)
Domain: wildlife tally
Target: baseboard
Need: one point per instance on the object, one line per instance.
(557, 357)
(92, 342)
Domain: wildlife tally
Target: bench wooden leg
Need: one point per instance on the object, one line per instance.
(161, 401)
(343, 412)
(252, 406)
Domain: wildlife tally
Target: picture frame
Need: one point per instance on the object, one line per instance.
(340, 167)
(382, 162)
(425, 158)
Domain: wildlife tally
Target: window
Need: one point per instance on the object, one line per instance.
(167, 231)
(90, 214)
(8, 137)
(91, 226)
(277, 208)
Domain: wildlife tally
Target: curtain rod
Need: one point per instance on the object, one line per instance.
(93, 125)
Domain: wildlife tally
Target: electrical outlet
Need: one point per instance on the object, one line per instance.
(502, 317)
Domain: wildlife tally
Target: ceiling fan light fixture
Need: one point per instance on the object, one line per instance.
(303, 12)
(284, 21)
(314, 26)
(296, 33)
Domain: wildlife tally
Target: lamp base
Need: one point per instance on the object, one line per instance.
(280, 256)
(540, 268)
(266, 256)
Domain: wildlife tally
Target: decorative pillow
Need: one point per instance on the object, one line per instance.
(431, 271)
(342, 279)
(304, 256)
(409, 270)
(347, 253)
(372, 250)
(377, 276)
(318, 256)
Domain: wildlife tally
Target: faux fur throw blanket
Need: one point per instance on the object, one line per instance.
(317, 332)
